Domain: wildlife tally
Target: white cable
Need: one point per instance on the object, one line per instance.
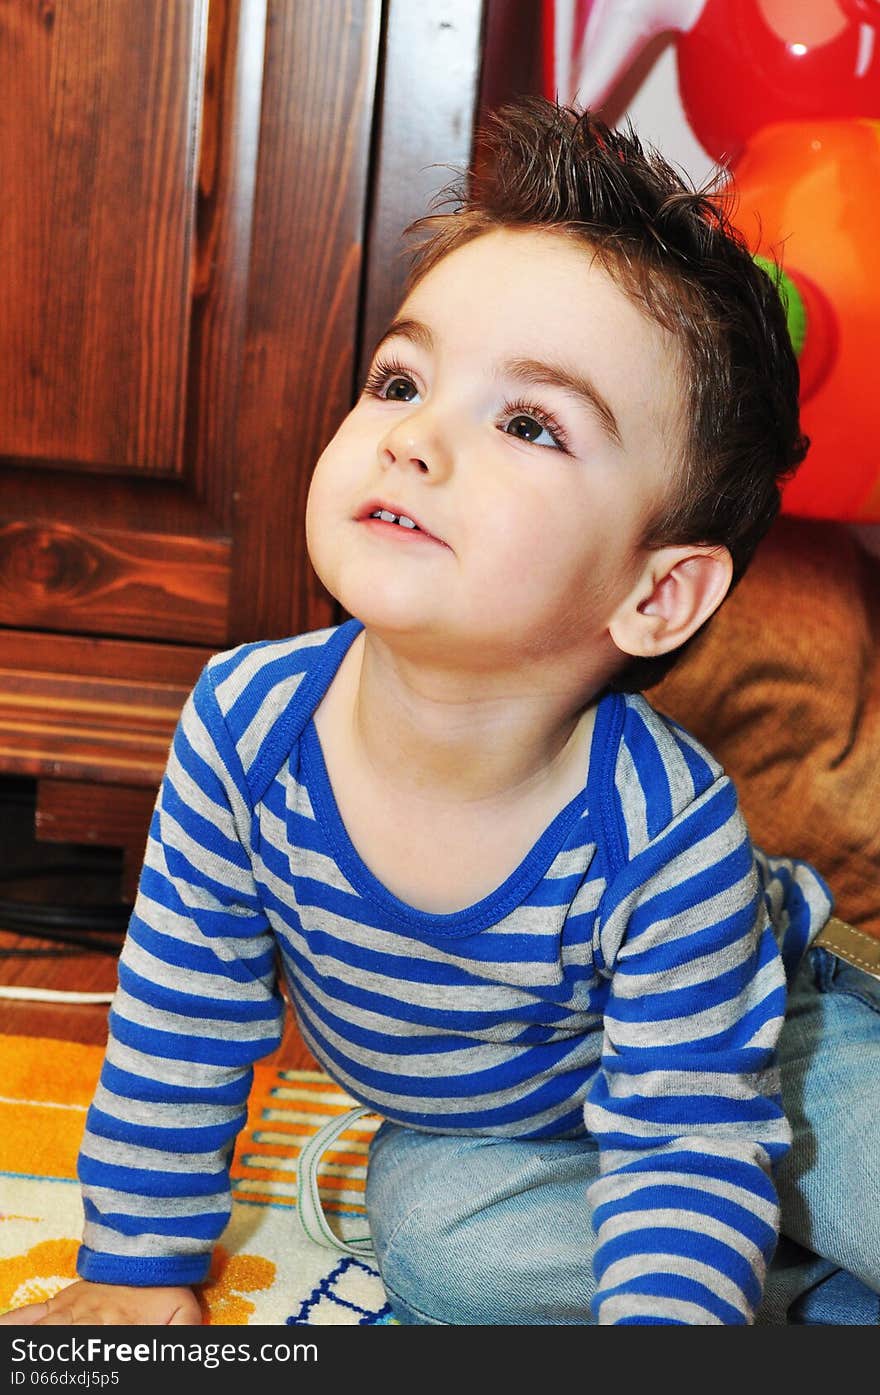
(52, 995)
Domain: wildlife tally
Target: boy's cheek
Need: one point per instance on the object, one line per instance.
(324, 486)
(344, 461)
(316, 518)
(350, 430)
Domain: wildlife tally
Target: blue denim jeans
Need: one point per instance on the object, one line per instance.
(487, 1231)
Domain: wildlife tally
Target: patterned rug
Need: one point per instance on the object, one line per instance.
(266, 1270)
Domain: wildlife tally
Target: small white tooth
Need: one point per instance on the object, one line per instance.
(405, 522)
(386, 516)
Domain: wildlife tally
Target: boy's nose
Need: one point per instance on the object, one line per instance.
(416, 443)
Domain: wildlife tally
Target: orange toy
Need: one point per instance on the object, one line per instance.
(788, 93)
(809, 195)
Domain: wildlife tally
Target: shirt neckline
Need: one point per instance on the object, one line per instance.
(498, 903)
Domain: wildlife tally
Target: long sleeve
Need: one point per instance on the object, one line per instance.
(686, 1105)
(197, 1004)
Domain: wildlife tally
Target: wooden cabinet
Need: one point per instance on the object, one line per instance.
(198, 244)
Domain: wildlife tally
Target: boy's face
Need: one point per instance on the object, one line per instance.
(527, 417)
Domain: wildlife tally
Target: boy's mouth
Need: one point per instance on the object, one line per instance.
(387, 517)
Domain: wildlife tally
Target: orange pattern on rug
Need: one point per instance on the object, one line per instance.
(266, 1270)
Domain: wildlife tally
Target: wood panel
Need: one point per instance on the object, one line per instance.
(144, 664)
(97, 710)
(425, 131)
(94, 327)
(319, 87)
(230, 140)
(101, 143)
(214, 270)
(102, 729)
(53, 574)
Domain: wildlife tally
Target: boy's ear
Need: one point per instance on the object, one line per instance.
(680, 587)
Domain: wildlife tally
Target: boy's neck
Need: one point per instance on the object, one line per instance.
(479, 738)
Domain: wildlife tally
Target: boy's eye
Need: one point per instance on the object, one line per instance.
(533, 426)
(526, 428)
(390, 382)
(399, 390)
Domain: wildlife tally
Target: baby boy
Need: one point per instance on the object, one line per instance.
(518, 913)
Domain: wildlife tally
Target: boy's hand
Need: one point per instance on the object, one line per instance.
(84, 1304)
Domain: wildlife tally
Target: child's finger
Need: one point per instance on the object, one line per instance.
(26, 1316)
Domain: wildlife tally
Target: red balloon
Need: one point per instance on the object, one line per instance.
(747, 64)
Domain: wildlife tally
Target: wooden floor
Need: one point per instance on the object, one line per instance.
(76, 879)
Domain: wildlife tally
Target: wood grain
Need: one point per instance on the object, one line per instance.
(220, 272)
(94, 325)
(319, 86)
(113, 583)
(86, 728)
(425, 131)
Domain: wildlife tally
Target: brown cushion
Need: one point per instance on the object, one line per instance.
(784, 688)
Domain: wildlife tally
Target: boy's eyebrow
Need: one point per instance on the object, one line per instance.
(414, 330)
(526, 370)
(535, 371)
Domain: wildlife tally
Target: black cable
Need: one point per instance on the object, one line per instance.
(36, 916)
(57, 869)
(85, 927)
(26, 952)
(79, 942)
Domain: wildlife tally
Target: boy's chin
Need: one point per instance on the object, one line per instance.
(430, 642)
(384, 609)
(395, 624)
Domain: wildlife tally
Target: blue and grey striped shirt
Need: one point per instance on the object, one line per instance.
(625, 979)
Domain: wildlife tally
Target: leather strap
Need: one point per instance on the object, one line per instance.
(855, 946)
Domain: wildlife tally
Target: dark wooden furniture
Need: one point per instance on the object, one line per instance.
(198, 246)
